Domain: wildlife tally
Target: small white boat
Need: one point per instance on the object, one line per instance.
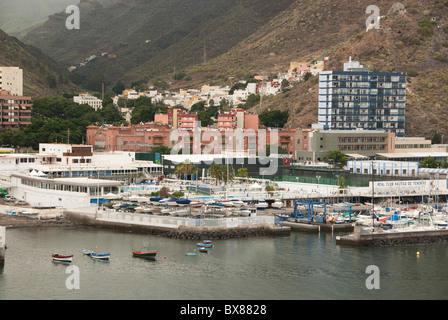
(139, 209)
(182, 212)
(112, 196)
(116, 206)
(61, 258)
(237, 203)
(244, 213)
(261, 205)
(148, 210)
(104, 256)
(166, 210)
(277, 204)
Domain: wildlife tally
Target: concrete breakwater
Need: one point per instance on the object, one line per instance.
(221, 234)
(399, 238)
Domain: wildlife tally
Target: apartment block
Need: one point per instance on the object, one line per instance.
(15, 111)
(358, 98)
(11, 79)
(135, 138)
(314, 145)
(237, 119)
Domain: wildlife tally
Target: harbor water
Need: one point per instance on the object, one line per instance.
(301, 266)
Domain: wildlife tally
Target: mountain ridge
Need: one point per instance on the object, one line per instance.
(296, 30)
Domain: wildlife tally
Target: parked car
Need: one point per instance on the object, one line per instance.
(21, 202)
(10, 198)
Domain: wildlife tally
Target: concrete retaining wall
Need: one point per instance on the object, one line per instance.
(395, 238)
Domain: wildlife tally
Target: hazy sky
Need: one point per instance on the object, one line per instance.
(18, 15)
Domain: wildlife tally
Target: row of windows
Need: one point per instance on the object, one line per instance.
(362, 147)
(362, 139)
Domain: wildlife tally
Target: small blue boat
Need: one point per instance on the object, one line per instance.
(104, 256)
(207, 245)
(87, 252)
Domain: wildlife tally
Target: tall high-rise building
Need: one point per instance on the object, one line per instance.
(11, 79)
(358, 98)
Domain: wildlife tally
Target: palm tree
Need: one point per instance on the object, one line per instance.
(216, 172)
(186, 168)
(242, 173)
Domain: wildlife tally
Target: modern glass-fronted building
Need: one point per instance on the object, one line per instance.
(358, 98)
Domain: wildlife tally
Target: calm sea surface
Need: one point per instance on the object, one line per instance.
(296, 267)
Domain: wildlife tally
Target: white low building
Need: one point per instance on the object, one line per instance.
(67, 193)
(384, 168)
(67, 160)
(92, 101)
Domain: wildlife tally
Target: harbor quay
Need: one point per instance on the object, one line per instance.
(179, 227)
(423, 236)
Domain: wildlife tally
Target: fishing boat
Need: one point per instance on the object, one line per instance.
(61, 258)
(144, 254)
(104, 256)
(87, 252)
(203, 249)
(207, 241)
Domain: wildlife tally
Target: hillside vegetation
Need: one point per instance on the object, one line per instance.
(42, 76)
(222, 41)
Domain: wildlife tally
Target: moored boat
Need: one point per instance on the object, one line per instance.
(61, 258)
(207, 245)
(261, 205)
(104, 256)
(144, 254)
(277, 204)
(87, 252)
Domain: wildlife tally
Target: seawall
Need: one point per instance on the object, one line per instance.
(181, 232)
